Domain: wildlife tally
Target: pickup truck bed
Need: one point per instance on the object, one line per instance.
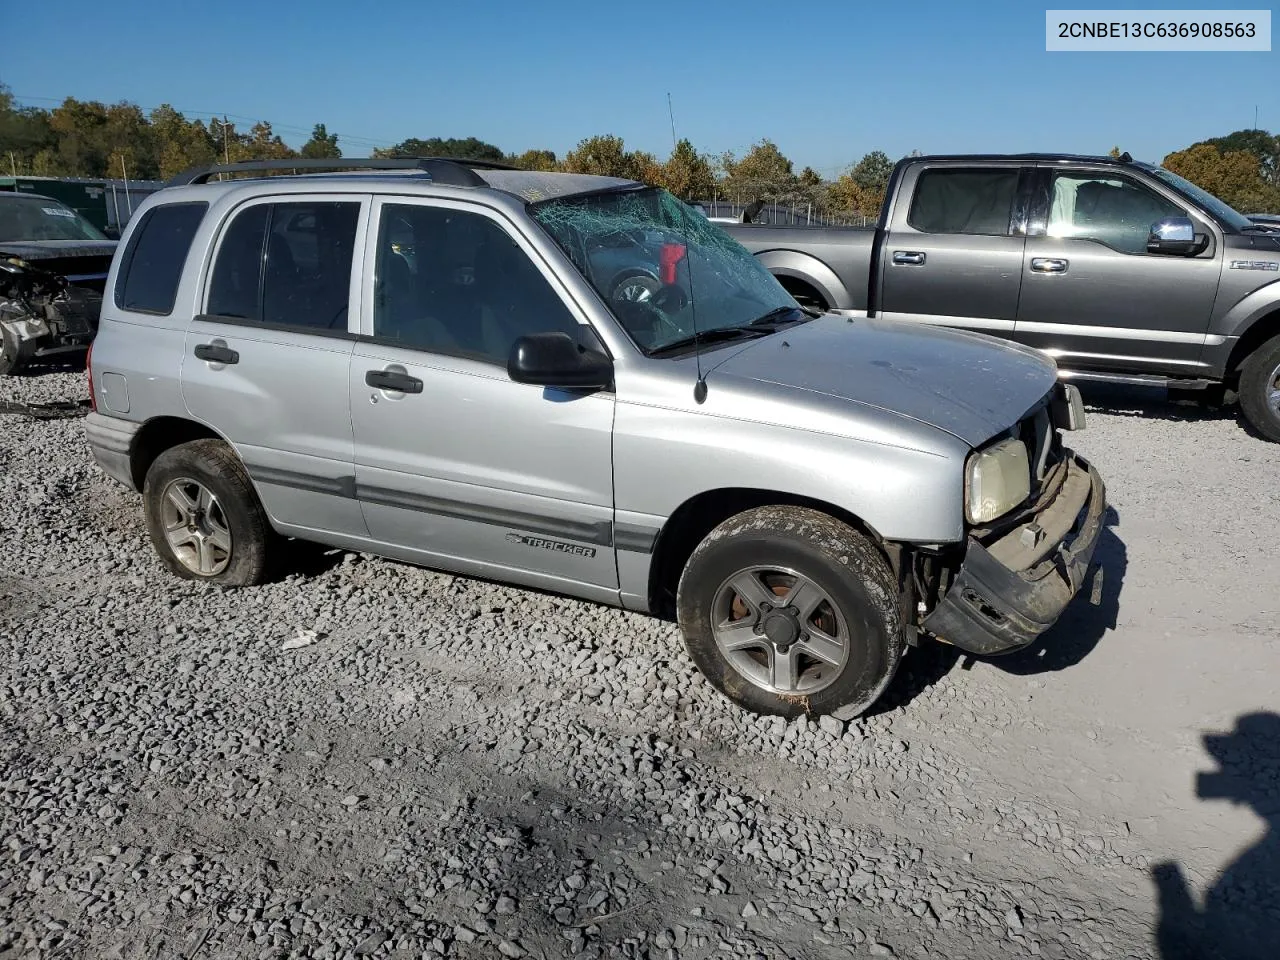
(826, 267)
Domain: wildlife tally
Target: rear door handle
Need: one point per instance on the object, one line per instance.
(390, 380)
(216, 353)
(908, 256)
(1048, 265)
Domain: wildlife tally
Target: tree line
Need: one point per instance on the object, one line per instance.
(85, 138)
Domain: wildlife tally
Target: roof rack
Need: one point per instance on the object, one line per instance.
(453, 171)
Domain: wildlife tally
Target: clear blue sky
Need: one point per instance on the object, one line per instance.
(826, 81)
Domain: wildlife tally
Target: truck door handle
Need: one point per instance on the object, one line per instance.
(390, 380)
(908, 256)
(216, 353)
(1048, 265)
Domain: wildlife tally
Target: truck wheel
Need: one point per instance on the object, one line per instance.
(204, 518)
(635, 287)
(788, 611)
(14, 353)
(1260, 389)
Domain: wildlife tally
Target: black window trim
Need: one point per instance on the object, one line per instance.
(485, 359)
(272, 201)
(131, 249)
(274, 327)
(576, 311)
(1016, 211)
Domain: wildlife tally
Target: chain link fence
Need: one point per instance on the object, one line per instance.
(786, 215)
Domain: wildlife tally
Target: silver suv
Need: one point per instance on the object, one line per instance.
(430, 360)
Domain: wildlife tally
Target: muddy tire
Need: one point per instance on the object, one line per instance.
(786, 610)
(204, 518)
(1260, 389)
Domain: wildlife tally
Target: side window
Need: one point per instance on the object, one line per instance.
(151, 265)
(1112, 210)
(287, 265)
(964, 201)
(456, 283)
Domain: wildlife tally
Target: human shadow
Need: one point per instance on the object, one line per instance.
(1240, 916)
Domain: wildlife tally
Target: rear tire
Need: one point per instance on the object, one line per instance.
(204, 518)
(1260, 389)
(788, 611)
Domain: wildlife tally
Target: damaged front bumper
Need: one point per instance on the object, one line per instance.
(1013, 584)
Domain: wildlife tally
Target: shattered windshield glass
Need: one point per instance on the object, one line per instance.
(666, 272)
(35, 218)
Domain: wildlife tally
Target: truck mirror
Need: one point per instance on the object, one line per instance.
(1175, 236)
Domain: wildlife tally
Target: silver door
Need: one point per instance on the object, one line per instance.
(454, 461)
(1091, 293)
(266, 363)
(952, 255)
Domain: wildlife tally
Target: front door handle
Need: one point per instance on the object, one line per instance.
(908, 256)
(216, 353)
(390, 380)
(1048, 265)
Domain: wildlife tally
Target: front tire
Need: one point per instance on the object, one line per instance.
(14, 353)
(1260, 389)
(788, 611)
(204, 518)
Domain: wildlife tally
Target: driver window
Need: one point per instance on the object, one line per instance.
(1111, 210)
(456, 283)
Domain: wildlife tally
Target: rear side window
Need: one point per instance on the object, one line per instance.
(151, 264)
(287, 265)
(964, 201)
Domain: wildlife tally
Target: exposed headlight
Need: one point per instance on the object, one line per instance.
(997, 479)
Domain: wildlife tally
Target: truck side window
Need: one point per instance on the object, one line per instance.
(456, 283)
(287, 265)
(151, 265)
(964, 201)
(1111, 210)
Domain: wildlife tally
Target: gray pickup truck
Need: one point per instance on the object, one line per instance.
(1118, 269)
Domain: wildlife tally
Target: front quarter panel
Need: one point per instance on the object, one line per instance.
(903, 479)
(1249, 292)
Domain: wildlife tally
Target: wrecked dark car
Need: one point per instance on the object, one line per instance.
(53, 267)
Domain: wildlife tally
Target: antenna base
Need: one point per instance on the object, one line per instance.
(700, 390)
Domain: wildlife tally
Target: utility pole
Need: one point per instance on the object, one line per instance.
(125, 171)
(13, 164)
(226, 145)
(672, 115)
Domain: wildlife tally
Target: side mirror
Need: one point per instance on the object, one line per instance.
(556, 360)
(111, 233)
(1175, 236)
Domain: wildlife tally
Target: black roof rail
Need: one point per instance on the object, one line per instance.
(453, 171)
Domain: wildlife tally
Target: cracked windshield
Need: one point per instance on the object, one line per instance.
(672, 279)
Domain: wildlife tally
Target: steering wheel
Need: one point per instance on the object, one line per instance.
(645, 321)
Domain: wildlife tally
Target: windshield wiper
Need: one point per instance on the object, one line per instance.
(773, 317)
(705, 337)
(1260, 228)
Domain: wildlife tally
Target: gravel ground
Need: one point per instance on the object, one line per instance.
(455, 768)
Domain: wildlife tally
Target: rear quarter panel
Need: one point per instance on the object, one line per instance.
(139, 355)
(836, 261)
